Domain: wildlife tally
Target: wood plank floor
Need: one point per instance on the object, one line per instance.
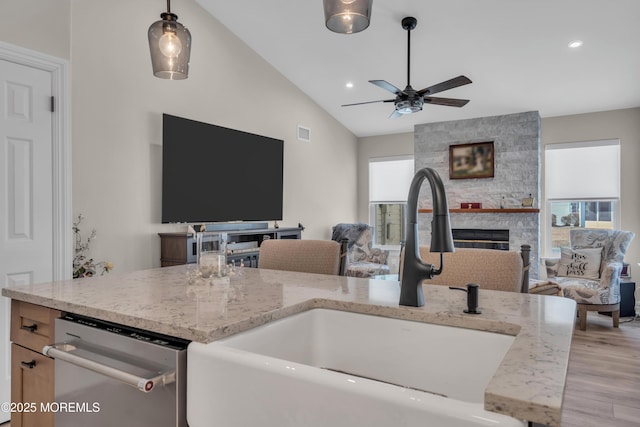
(603, 381)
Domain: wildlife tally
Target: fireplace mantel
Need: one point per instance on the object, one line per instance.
(493, 210)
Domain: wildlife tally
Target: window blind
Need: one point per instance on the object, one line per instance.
(389, 179)
(583, 170)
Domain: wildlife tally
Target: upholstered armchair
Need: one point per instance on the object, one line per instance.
(363, 260)
(589, 271)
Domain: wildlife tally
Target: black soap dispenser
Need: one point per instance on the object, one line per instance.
(472, 298)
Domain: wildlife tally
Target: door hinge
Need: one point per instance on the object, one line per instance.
(53, 104)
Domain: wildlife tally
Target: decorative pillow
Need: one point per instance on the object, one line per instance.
(580, 263)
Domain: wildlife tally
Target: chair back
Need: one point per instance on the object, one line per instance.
(614, 243)
(359, 239)
(309, 256)
(490, 268)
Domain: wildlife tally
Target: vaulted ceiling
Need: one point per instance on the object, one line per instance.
(515, 52)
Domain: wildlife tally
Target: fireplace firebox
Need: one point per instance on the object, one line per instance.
(480, 238)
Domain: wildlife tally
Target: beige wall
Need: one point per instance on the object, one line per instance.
(617, 124)
(400, 144)
(117, 129)
(43, 26)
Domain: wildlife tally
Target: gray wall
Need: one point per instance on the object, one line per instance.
(516, 139)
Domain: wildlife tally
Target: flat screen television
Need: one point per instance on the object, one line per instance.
(215, 174)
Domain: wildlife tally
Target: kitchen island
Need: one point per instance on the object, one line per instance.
(529, 383)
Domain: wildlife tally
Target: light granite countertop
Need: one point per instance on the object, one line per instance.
(529, 383)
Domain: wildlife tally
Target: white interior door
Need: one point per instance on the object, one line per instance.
(26, 196)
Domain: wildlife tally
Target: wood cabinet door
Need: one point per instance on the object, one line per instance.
(32, 384)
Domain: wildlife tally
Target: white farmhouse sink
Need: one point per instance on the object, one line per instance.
(335, 368)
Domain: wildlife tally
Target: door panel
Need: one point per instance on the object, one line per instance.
(26, 191)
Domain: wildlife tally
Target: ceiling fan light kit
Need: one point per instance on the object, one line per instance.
(409, 100)
(347, 16)
(170, 46)
(409, 106)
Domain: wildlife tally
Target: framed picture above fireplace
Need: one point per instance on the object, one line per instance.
(473, 160)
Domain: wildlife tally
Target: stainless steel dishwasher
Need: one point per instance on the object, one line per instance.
(113, 375)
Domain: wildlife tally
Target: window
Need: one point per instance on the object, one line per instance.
(582, 183)
(389, 180)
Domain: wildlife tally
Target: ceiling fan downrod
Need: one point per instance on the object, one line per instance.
(409, 23)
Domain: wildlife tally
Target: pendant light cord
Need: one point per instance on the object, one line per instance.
(168, 6)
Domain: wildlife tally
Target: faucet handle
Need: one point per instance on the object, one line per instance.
(472, 297)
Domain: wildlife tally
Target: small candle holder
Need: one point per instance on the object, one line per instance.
(527, 202)
(211, 256)
(213, 264)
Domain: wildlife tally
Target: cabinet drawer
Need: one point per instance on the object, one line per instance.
(32, 383)
(32, 326)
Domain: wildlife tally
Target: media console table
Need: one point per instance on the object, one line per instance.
(242, 245)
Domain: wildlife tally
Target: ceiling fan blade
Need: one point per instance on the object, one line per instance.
(368, 102)
(449, 84)
(449, 102)
(395, 114)
(387, 86)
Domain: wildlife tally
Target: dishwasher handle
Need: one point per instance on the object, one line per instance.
(63, 352)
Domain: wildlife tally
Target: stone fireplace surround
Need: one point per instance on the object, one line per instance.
(517, 155)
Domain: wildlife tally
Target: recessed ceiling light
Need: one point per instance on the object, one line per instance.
(575, 43)
(349, 85)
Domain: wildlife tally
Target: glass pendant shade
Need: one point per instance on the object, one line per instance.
(347, 16)
(170, 45)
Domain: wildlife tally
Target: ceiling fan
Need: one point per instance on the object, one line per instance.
(409, 100)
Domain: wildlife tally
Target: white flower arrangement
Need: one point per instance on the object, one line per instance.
(82, 265)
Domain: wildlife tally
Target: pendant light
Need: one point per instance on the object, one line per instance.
(347, 16)
(170, 45)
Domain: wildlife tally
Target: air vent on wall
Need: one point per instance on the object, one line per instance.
(304, 134)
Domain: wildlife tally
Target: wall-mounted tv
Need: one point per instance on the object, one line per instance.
(215, 174)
